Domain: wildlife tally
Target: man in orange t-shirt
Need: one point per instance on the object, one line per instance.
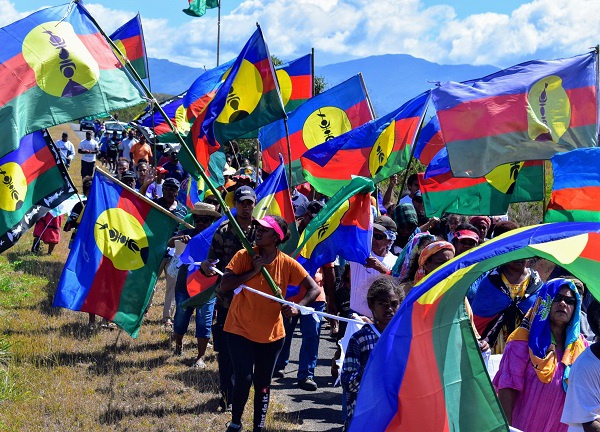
(141, 150)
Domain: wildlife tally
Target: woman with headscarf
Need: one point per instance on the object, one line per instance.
(432, 256)
(534, 371)
(482, 223)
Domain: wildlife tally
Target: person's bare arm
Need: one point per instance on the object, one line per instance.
(231, 281)
(387, 197)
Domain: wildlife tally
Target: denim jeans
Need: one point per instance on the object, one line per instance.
(204, 316)
(309, 349)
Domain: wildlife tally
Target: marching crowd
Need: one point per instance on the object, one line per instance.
(544, 327)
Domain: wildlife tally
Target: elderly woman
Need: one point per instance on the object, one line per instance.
(254, 325)
(432, 256)
(532, 378)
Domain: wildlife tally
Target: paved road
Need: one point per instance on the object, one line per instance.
(319, 410)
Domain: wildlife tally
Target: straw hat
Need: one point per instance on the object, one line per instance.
(205, 209)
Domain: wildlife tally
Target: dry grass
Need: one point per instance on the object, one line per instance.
(54, 376)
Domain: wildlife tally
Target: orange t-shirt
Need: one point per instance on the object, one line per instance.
(253, 316)
(141, 151)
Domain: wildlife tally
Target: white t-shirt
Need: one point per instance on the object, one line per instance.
(89, 145)
(361, 278)
(66, 149)
(582, 404)
(126, 145)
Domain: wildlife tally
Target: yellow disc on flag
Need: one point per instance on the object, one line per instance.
(325, 124)
(244, 95)
(62, 64)
(13, 186)
(381, 151)
(266, 206)
(285, 85)
(181, 121)
(121, 239)
(324, 231)
(548, 110)
(504, 177)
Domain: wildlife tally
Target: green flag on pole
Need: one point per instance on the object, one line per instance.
(198, 8)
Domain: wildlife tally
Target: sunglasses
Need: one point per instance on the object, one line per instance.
(571, 301)
(379, 236)
(213, 202)
(203, 219)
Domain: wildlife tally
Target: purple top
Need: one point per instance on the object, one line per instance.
(538, 406)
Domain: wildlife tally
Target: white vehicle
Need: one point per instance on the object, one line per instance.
(111, 126)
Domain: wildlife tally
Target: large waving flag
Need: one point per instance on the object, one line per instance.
(204, 88)
(248, 99)
(342, 228)
(438, 381)
(56, 67)
(115, 257)
(576, 187)
(295, 82)
(197, 8)
(129, 38)
(489, 195)
(318, 120)
(33, 181)
(377, 149)
(527, 112)
(430, 141)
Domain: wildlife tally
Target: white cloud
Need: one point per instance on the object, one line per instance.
(346, 29)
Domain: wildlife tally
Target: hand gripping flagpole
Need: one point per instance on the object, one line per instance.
(238, 231)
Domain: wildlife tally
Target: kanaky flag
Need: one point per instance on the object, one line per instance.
(576, 187)
(429, 142)
(248, 99)
(129, 38)
(204, 88)
(32, 181)
(176, 112)
(527, 112)
(114, 260)
(489, 195)
(318, 120)
(56, 67)
(435, 379)
(342, 227)
(377, 149)
(295, 82)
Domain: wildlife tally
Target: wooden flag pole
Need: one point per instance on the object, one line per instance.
(200, 170)
(289, 150)
(364, 86)
(218, 30)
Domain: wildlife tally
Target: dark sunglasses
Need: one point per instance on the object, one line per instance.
(379, 236)
(203, 219)
(571, 301)
(213, 202)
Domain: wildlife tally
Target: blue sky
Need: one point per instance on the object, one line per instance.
(497, 32)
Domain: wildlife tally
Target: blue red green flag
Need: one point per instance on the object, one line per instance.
(430, 141)
(32, 181)
(377, 149)
(129, 38)
(438, 381)
(248, 99)
(295, 82)
(56, 67)
(576, 187)
(318, 120)
(114, 260)
(527, 112)
(176, 112)
(342, 228)
(489, 195)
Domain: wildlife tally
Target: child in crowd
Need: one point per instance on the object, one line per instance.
(384, 298)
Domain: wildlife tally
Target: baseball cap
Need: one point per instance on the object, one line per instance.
(171, 182)
(244, 193)
(384, 223)
(161, 170)
(466, 234)
(128, 174)
(300, 204)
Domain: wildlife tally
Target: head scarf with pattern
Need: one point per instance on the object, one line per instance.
(535, 329)
(427, 252)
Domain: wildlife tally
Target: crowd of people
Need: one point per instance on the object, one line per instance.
(547, 381)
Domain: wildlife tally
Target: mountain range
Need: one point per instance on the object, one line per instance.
(391, 79)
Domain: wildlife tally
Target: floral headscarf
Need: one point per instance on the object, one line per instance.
(427, 252)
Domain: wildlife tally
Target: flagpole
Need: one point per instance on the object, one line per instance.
(64, 170)
(544, 202)
(144, 198)
(238, 231)
(414, 147)
(289, 149)
(312, 71)
(364, 86)
(218, 30)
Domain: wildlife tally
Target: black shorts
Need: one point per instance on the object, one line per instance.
(87, 168)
